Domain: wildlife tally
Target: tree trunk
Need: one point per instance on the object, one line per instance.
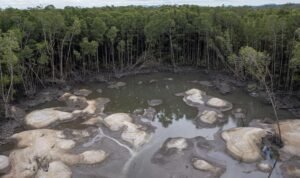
(113, 56)
(61, 61)
(198, 50)
(98, 64)
(172, 50)
(3, 92)
(106, 56)
(84, 65)
(207, 51)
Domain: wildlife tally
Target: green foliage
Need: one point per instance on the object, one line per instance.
(5, 80)
(295, 61)
(9, 64)
(232, 59)
(203, 23)
(224, 43)
(112, 34)
(43, 59)
(76, 27)
(297, 34)
(70, 40)
(158, 25)
(41, 49)
(51, 21)
(88, 47)
(98, 29)
(26, 53)
(254, 62)
(121, 46)
(77, 55)
(8, 47)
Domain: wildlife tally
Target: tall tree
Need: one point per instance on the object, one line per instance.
(52, 24)
(9, 61)
(112, 35)
(98, 29)
(256, 64)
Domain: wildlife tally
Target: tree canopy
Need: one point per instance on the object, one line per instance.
(45, 45)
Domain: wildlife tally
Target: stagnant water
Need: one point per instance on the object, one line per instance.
(174, 119)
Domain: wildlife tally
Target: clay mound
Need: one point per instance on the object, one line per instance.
(77, 107)
(82, 92)
(132, 133)
(4, 164)
(290, 133)
(206, 166)
(219, 104)
(243, 143)
(45, 153)
(210, 117)
(45, 117)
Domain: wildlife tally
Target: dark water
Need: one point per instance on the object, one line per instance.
(175, 119)
(134, 96)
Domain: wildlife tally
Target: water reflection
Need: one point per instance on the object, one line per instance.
(173, 118)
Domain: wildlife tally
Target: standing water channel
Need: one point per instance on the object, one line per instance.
(173, 118)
